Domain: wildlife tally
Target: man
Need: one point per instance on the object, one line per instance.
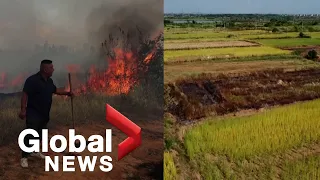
(36, 103)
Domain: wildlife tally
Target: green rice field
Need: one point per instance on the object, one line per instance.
(306, 168)
(257, 145)
(290, 42)
(272, 131)
(246, 34)
(172, 55)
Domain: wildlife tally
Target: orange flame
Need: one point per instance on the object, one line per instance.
(149, 56)
(119, 78)
(17, 81)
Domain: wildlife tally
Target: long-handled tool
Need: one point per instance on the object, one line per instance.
(70, 84)
(77, 143)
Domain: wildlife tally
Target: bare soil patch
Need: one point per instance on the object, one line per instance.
(195, 98)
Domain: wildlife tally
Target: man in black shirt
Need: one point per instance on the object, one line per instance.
(36, 103)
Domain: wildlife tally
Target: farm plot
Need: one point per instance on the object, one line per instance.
(296, 42)
(266, 133)
(220, 95)
(172, 71)
(202, 45)
(205, 54)
(271, 145)
(193, 34)
(238, 35)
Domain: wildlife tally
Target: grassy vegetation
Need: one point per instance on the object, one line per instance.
(302, 169)
(88, 109)
(268, 145)
(192, 34)
(221, 52)
(170, 171)
(11, 125)
(290, 42)
(278, 35)
(273, 131)
(214, 44)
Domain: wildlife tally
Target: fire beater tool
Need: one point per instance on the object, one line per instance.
(77, 143)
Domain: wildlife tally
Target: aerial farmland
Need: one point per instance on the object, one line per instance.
(242, 97)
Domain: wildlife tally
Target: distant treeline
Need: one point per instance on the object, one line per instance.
(240, 17)
(248, 21)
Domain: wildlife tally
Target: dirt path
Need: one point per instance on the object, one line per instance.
(146, 162)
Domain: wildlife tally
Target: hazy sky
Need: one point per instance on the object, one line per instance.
(243, 6)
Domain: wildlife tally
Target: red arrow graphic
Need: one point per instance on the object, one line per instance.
(128, 127)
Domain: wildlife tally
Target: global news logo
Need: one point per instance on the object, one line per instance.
(97, 143)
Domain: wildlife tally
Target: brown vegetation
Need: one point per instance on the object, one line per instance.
(200, 96)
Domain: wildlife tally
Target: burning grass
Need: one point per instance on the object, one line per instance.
(124, 68)
(206, 95)
(130, 79)
(205, 54)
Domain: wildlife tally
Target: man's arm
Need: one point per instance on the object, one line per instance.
(63, 92)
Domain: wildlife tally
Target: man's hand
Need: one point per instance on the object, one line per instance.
(22, 114)
(62, 92)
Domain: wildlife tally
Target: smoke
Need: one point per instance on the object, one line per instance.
(68, 24)
(132, 17)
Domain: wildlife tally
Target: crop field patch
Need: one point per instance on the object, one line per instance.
(282, 142)
(237, 35)
(173, 70)
(212, 53)
(295, 42)
(212, 44)
(275, 130)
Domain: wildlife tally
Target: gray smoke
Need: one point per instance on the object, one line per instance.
(72, 26)
(132, 17)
